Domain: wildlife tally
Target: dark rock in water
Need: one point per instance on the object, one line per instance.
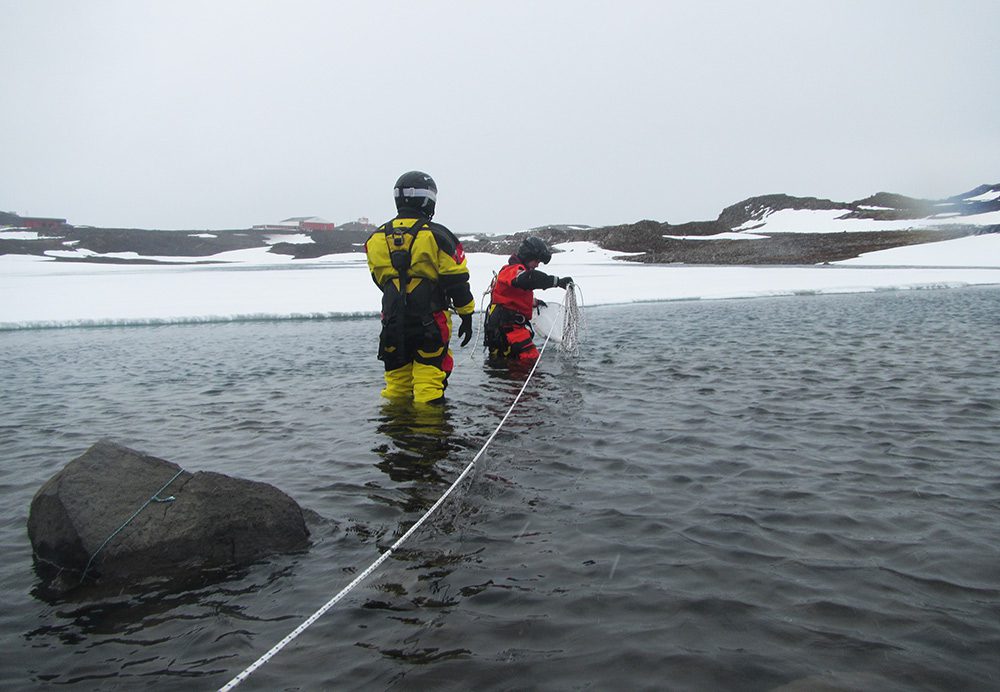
(119, 516)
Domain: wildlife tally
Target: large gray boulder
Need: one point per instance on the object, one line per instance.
(107, 516)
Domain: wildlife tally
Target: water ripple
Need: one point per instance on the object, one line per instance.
(777, 494)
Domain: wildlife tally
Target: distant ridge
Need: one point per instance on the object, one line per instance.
(879, 222)
(765, 229)
(880, 206)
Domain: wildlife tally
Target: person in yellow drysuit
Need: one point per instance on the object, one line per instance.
(420, 268)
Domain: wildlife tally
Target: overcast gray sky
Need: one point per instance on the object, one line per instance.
(223, 114)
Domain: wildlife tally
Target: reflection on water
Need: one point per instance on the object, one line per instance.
(418, 437)
(413, 442)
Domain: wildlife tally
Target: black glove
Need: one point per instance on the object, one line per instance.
(564, 282)
(465, 329)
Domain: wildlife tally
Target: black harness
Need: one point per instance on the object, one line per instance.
(400, 240)
(407, 317)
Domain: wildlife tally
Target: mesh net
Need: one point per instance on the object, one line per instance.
(573, 323)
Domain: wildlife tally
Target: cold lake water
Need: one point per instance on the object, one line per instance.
(741, 495)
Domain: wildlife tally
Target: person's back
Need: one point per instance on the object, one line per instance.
(420, 267)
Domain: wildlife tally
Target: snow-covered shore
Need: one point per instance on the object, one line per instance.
(248, 284)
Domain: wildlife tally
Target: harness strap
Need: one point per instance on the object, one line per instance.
(402, 266)
(400, 259)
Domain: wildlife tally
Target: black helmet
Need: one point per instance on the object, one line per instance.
(415, 191)
(534, 249)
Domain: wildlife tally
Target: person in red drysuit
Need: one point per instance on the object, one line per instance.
(509, 335)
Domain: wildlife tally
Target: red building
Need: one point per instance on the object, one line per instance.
(40, 222)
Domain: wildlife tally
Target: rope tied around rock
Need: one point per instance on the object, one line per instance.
(155, 497)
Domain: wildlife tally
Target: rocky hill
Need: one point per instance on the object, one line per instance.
(810, 231)
(881, 206)
(142, 246)
(741, 233)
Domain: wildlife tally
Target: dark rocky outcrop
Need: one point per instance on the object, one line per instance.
(197, 246)
(648, 240)
(326, 243)
(789, 248)
(199, 522)
(882, 206)
(755, 208)
(643, 238)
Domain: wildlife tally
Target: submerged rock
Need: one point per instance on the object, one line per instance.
(115, 515)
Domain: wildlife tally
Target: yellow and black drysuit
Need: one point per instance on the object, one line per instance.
(416, 324)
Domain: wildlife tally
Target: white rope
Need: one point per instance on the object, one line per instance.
(573, 321)
(371, 568)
